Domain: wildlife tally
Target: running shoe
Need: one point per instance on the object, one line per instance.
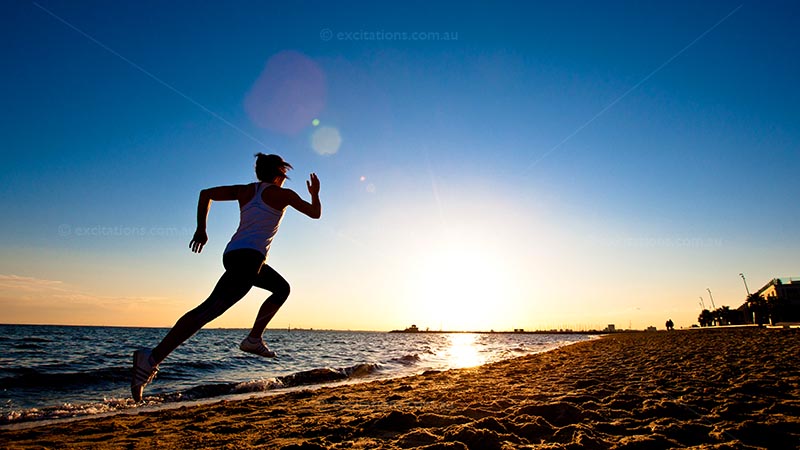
(142, 373)
(256, 347)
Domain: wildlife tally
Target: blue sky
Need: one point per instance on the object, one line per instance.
(595, 163)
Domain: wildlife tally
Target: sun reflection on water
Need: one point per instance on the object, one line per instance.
(464, 351)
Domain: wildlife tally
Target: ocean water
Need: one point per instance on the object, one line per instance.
(56, 372)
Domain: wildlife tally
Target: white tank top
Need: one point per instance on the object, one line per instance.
(258, 223)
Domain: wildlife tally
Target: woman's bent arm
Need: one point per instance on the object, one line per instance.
(219, 193)
(313, 209)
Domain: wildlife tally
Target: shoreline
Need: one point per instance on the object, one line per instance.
(381, 357)
(726, 388)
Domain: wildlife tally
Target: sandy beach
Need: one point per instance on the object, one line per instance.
(722, 388)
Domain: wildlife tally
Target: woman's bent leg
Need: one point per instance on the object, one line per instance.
(272, 281)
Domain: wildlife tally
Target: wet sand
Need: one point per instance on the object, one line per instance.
(731, 388)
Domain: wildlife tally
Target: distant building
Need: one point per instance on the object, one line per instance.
(610, 328)
(411, 329)
(651, 328)
(782, 288)
(778, 301)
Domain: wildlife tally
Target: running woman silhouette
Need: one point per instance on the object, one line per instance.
(262, 205)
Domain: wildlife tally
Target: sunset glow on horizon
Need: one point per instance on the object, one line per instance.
(548, 167)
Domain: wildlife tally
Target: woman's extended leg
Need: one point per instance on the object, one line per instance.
(241, 269)
(229, 290)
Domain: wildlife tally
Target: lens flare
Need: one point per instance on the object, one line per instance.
(326, 140)
(289, 93)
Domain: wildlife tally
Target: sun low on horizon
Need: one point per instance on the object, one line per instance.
(459, 286)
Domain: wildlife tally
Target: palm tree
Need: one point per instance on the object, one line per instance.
(723, 315)
(717, 315)
(706, 319)
(757, 307)
(775, 307)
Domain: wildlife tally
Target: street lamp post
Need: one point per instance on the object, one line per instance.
(745, 284)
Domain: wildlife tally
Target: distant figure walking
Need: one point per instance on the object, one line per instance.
(261, 206)
(670, 325)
